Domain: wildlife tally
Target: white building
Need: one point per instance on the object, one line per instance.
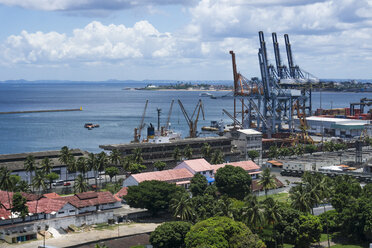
(246, 140)
(339, 127)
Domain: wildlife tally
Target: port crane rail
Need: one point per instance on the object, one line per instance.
(193, 123)
(270, 100)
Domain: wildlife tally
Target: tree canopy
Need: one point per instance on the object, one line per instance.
(170, 234)
(233, 181)
(198, 184)
(221, 232)
(152, 195)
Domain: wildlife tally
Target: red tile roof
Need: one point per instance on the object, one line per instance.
(165, 175)
(198, 165)
(4, 214)
(248, 165)
(45, 205)
(4, 200)
(52, 195)
(122, 192)
(90, 198)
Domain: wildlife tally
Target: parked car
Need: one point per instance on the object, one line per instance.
(58, 183)
(67, 184)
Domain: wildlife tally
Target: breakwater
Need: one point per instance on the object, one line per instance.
(41, 111)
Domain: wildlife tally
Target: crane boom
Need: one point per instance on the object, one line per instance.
(192, 124)
(140, 127)
(169, 115)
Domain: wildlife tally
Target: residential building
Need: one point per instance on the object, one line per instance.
(249, 166)
(200, 166)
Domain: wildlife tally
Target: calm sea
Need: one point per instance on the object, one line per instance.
(117, 111)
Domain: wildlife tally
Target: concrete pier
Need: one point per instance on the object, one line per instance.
(41, 111)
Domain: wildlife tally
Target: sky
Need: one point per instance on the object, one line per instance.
(95, 40)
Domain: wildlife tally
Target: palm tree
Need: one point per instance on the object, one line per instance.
(81, 166)
(92, 165)
(267, 181)
(39, 182)
(102, 161)
(187, 152)
(252, 214)
(176, 154)
(182, 207)
(30, 166)
(71, 165)
(206, 151)
(80, 184)
(137, 156)
(300, 198)
(6, 184)
(115, 157)
(271, 211)
(46, 165)
(64, 158)
(217, 157)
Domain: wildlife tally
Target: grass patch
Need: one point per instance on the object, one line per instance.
(288, 246)
(323, 237)
(280, 197)
(105, 226)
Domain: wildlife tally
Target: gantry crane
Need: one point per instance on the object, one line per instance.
(193, 124)
(138, 130)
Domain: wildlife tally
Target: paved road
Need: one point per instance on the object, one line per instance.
(94, 235)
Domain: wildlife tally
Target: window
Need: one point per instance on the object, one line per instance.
(204, 172)
(61, 212)
(72, 211)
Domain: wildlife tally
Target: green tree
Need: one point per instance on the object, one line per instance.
(300, 198)
(115, 157)
(253, 154)
(309, 231)
(136, 168)
(221, 232)
(273, 152)
(112, 171)
(65, 157)
(329, 146)
(152, 195)
(267, 181)
(81, 166)
(206, 151)
(311, 148)
(46, 165)
(233, 181)
(19, 205)
(170, 234)
(299, 150)
(252, 215)
(30, 166)
(51, 177)
(38, 182)
(289, 224)
(6, 183)
(181, 207)
(102, 162)
(137, 155)
(80, 184)
(217, 157)
(271, 213)
(159, 165)
(92, 164)
(187, 152)
(198, 184)
(176, 154)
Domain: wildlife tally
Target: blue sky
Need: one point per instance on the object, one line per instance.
(181, 40)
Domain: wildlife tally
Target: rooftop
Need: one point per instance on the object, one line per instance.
(122, 192)
(249, 131)
(247, 165)
(198, 165)
(165, 175)
(90, 198)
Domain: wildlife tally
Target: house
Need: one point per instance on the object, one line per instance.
(200, 166)
(249, 166)
(122, 192)
(180, 177)
(54, 211)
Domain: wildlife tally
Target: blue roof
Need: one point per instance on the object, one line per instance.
(210, 179)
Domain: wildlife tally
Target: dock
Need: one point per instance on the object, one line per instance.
(41, 111)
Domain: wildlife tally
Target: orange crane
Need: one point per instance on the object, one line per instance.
(305, 138)
(137, 131)
(193, 124)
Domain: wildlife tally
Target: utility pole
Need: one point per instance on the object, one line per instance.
(159, 112)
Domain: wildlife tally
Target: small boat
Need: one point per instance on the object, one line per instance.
(90, 126)
(206, 94)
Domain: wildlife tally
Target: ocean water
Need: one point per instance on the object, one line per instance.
(117, 111)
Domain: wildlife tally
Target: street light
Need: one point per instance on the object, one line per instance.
(45, 229)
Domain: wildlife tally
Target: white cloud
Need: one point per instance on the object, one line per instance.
(95, 42)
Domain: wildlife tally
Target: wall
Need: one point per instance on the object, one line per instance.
(130, 181)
